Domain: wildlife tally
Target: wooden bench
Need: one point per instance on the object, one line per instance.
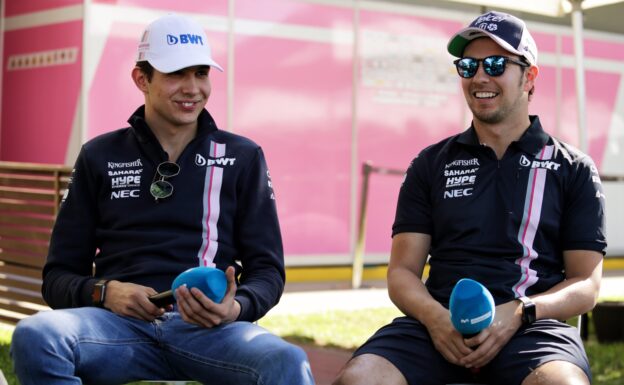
(29, 199)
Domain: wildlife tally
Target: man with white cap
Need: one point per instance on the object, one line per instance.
(146, 203)
(502, 203)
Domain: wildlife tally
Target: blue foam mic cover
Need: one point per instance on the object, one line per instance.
(211, 281)
(471, 306)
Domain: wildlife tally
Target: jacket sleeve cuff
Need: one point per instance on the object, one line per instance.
(246, 313)
(85, 293)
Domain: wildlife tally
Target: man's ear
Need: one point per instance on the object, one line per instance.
(531, 75)
(140, 79)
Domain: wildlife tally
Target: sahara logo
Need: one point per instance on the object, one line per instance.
(125, 179)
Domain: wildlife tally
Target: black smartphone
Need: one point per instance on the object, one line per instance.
(163, 299)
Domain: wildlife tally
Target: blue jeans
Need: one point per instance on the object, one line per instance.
(99, 347)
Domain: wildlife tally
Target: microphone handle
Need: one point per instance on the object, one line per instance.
(163, 299)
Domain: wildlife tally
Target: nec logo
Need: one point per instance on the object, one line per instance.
(458, 193)
(124, 194)
(547, 164)
(185, 38)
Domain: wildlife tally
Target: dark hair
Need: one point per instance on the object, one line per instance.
(146, 68)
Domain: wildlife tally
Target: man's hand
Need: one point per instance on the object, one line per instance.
(129, 299)
(446, 339)
(490, 341)
(196, 308)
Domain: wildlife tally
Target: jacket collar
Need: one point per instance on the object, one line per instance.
(205, 125)
(532, 140)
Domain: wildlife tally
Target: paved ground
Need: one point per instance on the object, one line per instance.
(314, 298)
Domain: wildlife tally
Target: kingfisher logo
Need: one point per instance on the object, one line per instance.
(547, 164)
(201, 161)
(185, 38)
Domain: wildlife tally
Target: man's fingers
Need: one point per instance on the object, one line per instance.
(197, 308)
(231, 280)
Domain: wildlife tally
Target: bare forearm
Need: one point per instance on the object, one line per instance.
(409, 294)
(578, 293)
(567, 299)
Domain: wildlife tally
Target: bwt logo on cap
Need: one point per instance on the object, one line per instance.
(185, 38)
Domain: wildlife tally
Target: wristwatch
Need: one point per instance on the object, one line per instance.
(99, 293)
(528, 310)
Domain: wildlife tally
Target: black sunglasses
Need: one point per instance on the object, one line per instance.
(160, 187)
(492, 65)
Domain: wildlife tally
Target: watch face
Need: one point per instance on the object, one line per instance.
(528, 311)
(97, 295)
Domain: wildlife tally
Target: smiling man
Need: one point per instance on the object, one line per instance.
(146, 203)
(502, 203)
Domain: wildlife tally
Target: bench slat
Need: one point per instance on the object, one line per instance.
(25, 273)
(27, 194)
(32, 233)
(17, 206)
(39, 248)
(25, 260)
(30, 194)
(12, 218)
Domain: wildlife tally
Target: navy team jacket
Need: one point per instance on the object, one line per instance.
(222, 213)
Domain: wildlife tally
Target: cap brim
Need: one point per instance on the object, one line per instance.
(458, 43)
(167, 65)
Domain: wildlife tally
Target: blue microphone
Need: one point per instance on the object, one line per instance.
(472, 307)
(211, 281)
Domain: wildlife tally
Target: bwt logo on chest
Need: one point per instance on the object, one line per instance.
(185, 38)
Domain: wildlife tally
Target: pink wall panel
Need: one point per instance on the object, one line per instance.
(293, 98)
(218, 7)
(39, 101)
(546, 42)
(544, 102)
(294, 12)
(594, 48)
(415, 102)
(569, 130)
(601, 91)
(604, 49)
(18, 7)
(113, 95)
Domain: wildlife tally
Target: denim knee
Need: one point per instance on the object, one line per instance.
(33, 336)
(287, 364)
(25, 336)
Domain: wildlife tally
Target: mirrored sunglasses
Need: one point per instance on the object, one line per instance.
(160, 187)
(492, 65)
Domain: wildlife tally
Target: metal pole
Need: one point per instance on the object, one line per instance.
(577, 26)
(358, 251)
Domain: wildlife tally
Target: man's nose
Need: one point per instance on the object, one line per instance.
(481, 75)
(190, 84)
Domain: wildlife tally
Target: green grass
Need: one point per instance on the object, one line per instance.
(341, 329)
(349, 329)
(5, 359)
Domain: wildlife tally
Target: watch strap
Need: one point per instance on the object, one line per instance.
(528, 310)
(98, 295)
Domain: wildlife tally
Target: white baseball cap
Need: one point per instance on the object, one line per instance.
(173, 42)
(506, 30)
